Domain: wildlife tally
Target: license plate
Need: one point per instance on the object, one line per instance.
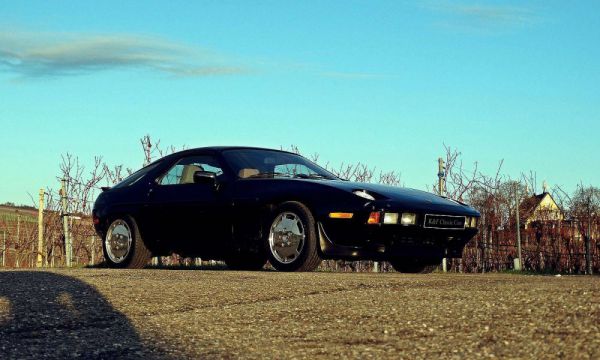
(444, 222)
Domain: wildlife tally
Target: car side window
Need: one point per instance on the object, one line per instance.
(183, 171)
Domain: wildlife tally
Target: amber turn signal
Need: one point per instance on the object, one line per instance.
(341, 215)
(374, 217)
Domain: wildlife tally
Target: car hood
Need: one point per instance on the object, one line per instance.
(406, 196)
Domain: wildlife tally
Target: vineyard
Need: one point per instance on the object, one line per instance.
(553, 240)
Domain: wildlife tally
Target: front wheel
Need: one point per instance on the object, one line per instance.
(414, 266)
(291, 239)
(123, 245)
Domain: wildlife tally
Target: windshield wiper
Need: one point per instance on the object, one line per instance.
(269, 174)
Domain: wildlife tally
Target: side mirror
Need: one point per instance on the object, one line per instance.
(205, 177)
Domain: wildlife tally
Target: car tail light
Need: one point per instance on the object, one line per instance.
(95, 220)
(374, 217)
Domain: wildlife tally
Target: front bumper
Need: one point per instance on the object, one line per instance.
(383, 242)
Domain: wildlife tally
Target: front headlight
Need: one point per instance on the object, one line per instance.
(363, 194)
(408, 219)
(390, 218)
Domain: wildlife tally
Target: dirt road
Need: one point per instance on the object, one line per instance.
(98, 313)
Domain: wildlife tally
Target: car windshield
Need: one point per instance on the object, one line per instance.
(256, 163)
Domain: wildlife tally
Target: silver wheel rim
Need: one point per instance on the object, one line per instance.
(118, 241)
(286, 237)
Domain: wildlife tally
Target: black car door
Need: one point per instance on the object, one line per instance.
(189, 218)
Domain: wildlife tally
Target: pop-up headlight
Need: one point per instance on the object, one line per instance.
(363, 194)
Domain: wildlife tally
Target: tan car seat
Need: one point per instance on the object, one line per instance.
(246, 173)
(187, 175)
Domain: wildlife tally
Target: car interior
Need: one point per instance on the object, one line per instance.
(187, 175)
(247, 172)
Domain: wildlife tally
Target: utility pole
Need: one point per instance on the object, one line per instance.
(93, 252)
(65, 219)
(588, 252)
(442, 191)
(18, 238)
(51, 253)
(4, 248)
(40, 230)
(18, 226)
(441, 177)
(518, 260)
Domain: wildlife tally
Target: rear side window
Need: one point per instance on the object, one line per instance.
(183, 172)
(136, 176)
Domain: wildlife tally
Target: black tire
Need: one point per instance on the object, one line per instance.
(414, 266)
(308, 258)
(246, 261)
(138, 255)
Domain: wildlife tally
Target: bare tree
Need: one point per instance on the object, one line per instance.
(549, 244)
(357, 172)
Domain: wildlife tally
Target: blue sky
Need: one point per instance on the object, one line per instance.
(385, 83)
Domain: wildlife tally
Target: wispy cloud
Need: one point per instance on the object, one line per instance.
(30, 54)
(480, 15)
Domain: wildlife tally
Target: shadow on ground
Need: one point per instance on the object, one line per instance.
(46, 315)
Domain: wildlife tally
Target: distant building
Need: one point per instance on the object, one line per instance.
(540, 209)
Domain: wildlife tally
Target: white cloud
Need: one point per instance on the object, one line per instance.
(57, 54)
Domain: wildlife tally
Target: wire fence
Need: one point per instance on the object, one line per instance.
(19, 240)
(545, 253)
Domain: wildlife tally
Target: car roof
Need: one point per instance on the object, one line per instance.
(221, 149)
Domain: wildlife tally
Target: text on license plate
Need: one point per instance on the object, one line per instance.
(444, 222)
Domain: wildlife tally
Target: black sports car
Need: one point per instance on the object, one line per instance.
(249, 205)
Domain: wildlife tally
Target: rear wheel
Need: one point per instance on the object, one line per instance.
(415, 266)
(291, 239)
(123, 245)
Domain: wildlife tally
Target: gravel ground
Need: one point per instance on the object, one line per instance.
(101, 313)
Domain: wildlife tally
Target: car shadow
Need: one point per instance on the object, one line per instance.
(46, 315)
